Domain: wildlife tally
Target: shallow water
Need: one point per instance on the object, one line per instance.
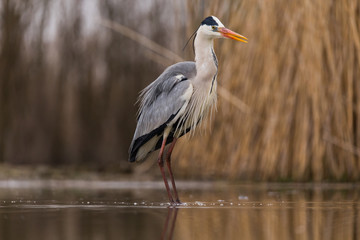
(139, 210)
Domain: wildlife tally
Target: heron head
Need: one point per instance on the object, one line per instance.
(213, 28)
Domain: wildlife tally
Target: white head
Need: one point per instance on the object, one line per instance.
(213, 28)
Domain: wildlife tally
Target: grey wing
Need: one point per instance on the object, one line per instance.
(162, 103)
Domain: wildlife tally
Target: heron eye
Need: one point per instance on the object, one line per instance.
(213, 27)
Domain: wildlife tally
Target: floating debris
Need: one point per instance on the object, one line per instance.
(198, 203)
(241, 197)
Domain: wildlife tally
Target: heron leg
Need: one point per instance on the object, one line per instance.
(161, 165)
(168, 163)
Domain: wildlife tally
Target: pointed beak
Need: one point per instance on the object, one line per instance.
(232, 35)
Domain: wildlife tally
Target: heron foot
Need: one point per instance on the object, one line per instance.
(175, 203)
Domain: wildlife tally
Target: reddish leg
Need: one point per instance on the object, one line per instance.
(168, 163)
(161, 165)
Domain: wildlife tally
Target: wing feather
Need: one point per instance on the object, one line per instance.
(161, 104)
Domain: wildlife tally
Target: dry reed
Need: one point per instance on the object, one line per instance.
(299, 75)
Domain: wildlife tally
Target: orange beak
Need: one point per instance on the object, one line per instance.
(232, 35)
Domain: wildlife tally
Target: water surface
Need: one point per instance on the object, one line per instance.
(210, 210)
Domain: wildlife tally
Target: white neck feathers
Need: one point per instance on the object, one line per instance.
(206, 63)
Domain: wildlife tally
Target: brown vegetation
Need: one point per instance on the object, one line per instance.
(70, 99)
(299, 76)
(67, 92)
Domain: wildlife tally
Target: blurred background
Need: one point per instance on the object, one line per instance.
(288, 110)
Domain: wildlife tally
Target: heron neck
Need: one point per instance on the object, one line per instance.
(205, 59)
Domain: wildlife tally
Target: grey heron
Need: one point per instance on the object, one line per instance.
(178, 100)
